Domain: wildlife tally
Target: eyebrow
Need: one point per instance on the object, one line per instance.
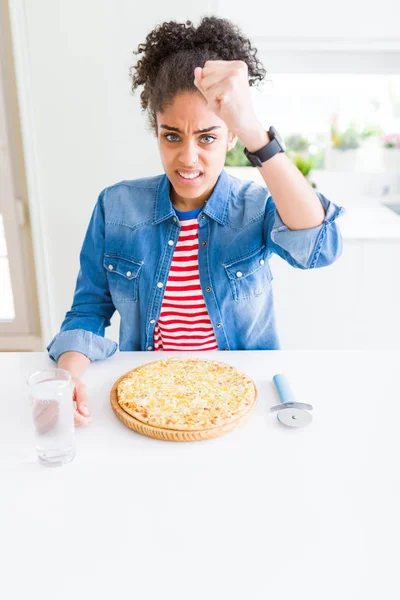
(199, 131)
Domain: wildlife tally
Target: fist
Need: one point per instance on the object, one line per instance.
(225, 86)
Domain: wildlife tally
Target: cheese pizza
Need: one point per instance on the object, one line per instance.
(186, 393)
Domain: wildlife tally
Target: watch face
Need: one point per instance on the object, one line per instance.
(274, 134)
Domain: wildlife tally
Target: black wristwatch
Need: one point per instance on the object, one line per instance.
(275, 145)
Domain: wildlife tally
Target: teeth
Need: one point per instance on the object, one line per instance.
(191, 176)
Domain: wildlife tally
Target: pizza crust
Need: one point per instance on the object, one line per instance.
(186, 393)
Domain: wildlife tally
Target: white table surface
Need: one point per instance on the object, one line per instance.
(262, 512)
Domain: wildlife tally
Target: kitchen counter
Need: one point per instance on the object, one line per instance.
(369, 220)
(361, 194)
(262, 512)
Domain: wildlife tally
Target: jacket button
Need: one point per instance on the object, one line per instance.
(204, 244)
(171, 243)
(202, 217)
(110, 267)
(128, 274)
(149, 347)
(153, 321)
(239, 274)
(160, 284)
(262, 261)
(219, 324)
(208, 289)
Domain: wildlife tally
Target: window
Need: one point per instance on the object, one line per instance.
(19, 314)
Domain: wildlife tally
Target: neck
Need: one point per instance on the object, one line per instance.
(186, 204)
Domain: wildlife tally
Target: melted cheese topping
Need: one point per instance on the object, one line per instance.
(187, 393)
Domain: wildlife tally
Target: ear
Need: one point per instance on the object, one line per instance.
(232, 139)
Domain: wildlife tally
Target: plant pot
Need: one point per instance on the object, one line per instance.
(391, 159)
(340, 160)
(352, 159)
(248, 173)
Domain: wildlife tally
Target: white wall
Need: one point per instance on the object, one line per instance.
(352, 304)
(88, 128)
(340, 19)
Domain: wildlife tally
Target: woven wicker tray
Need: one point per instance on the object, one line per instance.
(172, 435)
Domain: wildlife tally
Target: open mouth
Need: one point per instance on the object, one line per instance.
(189, 176)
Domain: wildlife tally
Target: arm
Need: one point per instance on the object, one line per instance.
(225, 86)
(299, 222)
(74, 362)
(305, 248)
(82, 330)
(297, 202)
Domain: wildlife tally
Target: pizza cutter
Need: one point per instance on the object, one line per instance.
(291, 413)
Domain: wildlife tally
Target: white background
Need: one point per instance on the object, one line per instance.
(87, 130)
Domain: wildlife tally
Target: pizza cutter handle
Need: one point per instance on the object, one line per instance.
(283, 388)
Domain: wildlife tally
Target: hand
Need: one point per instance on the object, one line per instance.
(225, 86)
(81, 413)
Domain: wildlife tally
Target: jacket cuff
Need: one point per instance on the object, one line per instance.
(94, 346)
(304, 245)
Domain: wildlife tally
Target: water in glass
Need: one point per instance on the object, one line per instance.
(53, 417)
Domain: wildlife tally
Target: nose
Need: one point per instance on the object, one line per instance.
(189, 154)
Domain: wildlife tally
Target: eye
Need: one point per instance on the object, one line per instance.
(168, 134)
(211, 137)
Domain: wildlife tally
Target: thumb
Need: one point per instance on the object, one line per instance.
(82, 399)
(198, 75)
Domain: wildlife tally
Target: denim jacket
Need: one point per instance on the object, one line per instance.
(127, 252)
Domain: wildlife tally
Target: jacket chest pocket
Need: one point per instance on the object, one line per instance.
(250, 275)
(123, 277)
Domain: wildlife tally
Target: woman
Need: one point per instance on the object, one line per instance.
(183, 256)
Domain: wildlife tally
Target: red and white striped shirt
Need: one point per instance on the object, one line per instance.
(184, 322)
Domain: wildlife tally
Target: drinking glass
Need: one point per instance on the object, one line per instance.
(50, 392)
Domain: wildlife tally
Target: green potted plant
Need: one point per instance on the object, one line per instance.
(348, 140)
(371, 134)
(236, 156)
(297, 148)
(342, 153)
(391, 151)
(236, 164)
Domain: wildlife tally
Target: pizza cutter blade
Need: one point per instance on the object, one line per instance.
(290, 412)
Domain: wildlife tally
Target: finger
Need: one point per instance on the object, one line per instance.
(198, 77)
(223, 65)
(212, 65)
(45, 415)
(80, 420)
(216, 94)
(215, 79)
(82, 401)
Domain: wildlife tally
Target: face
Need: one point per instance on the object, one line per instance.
(192, 141)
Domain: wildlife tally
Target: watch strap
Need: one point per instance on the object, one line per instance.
(268, 151)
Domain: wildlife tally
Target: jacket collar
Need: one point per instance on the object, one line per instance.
(216, 206)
